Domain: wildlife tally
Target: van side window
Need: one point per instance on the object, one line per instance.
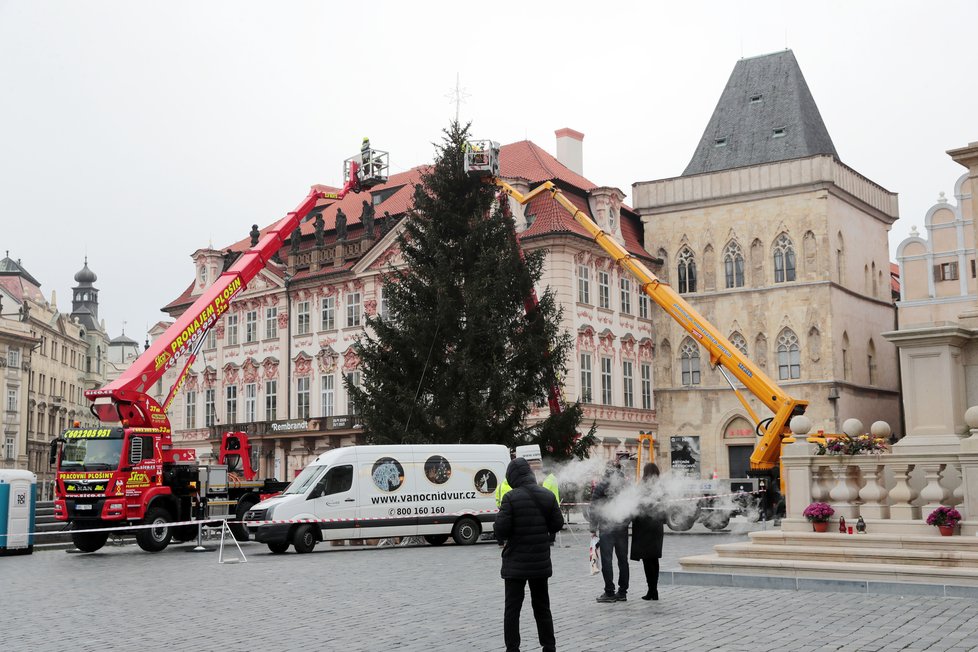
(339, 479)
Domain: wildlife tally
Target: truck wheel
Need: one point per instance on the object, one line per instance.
(239, 531)
(466, 531)
(304, 539)
(436, 539)
(155, 539)
(278, 547)
(679, 520)
(716, 520)
(89, 541)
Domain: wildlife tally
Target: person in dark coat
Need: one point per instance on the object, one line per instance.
(647, 533)
(612, 532)
(527, 517)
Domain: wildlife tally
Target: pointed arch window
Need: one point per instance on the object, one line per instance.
(784, 259)
(789, 355)
(871, 361)
(733, 265)
(738, 340)
(686, 264)
(689, 357)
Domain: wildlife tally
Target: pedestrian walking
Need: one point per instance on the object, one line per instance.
(612, 531)
(527, 517)
(647, 533)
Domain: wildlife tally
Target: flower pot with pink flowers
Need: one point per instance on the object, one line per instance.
(818, 515)
(945, 518)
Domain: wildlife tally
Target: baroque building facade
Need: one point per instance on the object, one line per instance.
(938, 310)
(783, 248)
(62, 356)
(274, 366)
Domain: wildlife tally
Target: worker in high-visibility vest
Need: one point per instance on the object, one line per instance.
(501, 489)
(551, 483)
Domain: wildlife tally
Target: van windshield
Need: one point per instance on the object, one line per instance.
(305, 480)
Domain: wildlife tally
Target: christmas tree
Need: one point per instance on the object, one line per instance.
(456, 359)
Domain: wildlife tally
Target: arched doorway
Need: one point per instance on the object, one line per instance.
(738, 436)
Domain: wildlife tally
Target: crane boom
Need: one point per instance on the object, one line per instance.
(482, 159)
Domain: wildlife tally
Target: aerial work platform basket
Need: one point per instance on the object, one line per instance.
(482, 158)
(372, 168)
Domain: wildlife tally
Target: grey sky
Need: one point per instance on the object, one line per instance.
(138, 132)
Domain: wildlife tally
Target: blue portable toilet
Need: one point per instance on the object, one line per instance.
(18, 503)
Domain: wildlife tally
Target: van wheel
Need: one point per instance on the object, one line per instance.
(716, 520)
(679, 520)
(436, 539)
(466, 531)
(89, 541)
(304, 539)
(155, 539)
(278, 547)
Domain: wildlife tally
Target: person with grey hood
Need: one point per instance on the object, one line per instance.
(612, 531)
(527, 517)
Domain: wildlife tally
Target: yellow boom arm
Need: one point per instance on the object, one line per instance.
(723, 355)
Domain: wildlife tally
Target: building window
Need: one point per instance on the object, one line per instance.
(690, 361)
(329, 395)
(586, 377)
(209, 343)
(271, 322)
(13, 357)
(250, 403)
(686, 268)
(10, 451)
(210, 413)
(271, 400)
(327, 319)
(626, 296)
(606, 381)
(784, 259)
(11, 400)
(871, 362)
(583, 284)
(946, 272)
(604, 290)
(353, 378)
(739, 342)
(720, 142)
(789, 356)
(251, 326)
(190, 413)
(778, 132)
(382, 303)
(756, 99)
(646, 371)
(733, 265)
(302, 397)
(232, 330)
(231, 394)
(302, 318)
(643, 305)
(627, 380)
(352, 309)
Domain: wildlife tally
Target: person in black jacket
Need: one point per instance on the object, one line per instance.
(612, 532)
(647, 534)
(527, 516)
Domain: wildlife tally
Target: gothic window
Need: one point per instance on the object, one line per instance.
(733, 265)
(871, 361)
(840, 259)
(689, 357)
(784, 259)
(686, 271)
(846, 354)
(738, 341)
(789, 355)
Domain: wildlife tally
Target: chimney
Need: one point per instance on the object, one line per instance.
(570, 149)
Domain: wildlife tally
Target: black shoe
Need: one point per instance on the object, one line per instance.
(621, 597)
(606, 597)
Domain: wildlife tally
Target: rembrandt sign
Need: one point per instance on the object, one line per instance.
(293, 425)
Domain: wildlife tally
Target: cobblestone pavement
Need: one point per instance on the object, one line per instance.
(425, 598)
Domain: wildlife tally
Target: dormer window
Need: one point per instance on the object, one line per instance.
(778, 132)
(756, 99)
(203, 274)
(720, 142)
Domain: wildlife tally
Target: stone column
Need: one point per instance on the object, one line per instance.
(796, 462)
(969, 475)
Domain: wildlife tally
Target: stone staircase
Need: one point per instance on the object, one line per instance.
(920, 559)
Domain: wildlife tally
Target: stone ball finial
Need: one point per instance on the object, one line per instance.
(941, 198)
(971, 416)
(800, 425)
(913, 231)
(852, 427)
(881, 430)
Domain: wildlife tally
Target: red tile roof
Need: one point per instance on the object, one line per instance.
(520, 160)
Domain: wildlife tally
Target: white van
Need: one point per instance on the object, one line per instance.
(369, 492)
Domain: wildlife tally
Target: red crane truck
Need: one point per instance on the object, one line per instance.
(127, 471)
